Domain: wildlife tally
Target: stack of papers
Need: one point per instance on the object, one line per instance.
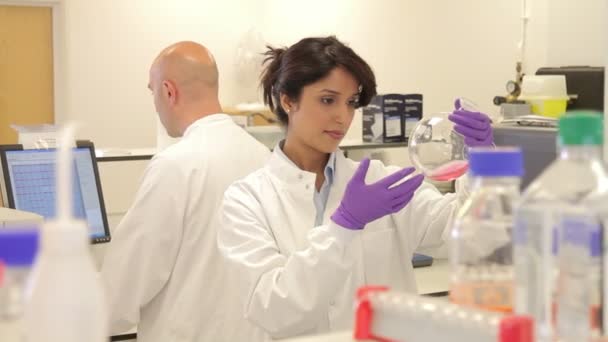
(533, 120)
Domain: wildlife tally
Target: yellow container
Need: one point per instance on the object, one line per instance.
(546, 106)
(546, 94)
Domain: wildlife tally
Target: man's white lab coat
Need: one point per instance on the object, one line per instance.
(163, 270)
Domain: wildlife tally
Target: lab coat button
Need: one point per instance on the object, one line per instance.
(307, 186)
(300, 176)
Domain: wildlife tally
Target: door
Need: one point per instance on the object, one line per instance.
(26, 68)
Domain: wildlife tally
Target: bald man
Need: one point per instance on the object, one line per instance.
(163, 271)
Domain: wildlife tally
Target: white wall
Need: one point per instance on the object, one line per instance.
(577, 32)
(110, 44)
(578, 35)
(441, 48)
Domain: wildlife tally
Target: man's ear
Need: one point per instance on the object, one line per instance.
(170, 91)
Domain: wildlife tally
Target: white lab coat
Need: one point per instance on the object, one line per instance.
(163, 270)
(299, 279)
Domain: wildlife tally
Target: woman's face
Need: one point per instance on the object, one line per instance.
(323, 114)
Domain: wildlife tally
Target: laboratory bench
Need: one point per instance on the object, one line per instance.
(341, 336)
(118, 154)
(123, 154)
(431, 281)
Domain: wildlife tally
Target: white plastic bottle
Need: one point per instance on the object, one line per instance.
(18, 248)
(559, 218)
(480, 240)
(67, 302)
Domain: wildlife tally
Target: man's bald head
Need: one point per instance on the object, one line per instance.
(184, 81)
(189, 65)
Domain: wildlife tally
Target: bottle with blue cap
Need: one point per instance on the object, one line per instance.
(558, 241)
(480, 243)
(18, 249)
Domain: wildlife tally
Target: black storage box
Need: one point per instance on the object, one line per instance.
(388, 117)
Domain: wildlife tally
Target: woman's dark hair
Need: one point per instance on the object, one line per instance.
(288, 70)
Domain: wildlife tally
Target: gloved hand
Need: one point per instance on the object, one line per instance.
(474, 126)
(362, 203)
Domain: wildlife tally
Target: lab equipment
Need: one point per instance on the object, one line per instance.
(536, 143)
(36, 136)
(437, 150)
(28, 185)
(546, 94)
(480, 239)
(383, 315)
(363, 203)
(412, 112)
(66, 301)
(513, 87)
(391, 117)
(558, 215)
(585, 85)
(249, 59)
(513, 111)
(384, 119)
(18, 248)
(532, 120)
(438, 145)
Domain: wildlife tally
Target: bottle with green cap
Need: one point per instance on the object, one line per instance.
(558, 235)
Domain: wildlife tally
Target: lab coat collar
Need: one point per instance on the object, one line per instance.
(285, 169)
(206, 120)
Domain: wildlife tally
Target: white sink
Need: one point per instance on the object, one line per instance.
(267, 135)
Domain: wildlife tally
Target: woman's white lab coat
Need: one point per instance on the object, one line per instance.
(296, 278)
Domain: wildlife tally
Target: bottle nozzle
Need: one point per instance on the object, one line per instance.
(64, 173)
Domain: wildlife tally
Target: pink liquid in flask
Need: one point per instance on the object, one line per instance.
(449, 171)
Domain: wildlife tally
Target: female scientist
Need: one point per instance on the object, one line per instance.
(312, 226)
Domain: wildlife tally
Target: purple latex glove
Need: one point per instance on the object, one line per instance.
(474, 126)
(362, 203)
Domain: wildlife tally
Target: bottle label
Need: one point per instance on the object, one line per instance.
(487, 295)
(578, 259)
(577, 233)
(535, 264)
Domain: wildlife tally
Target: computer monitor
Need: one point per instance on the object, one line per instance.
(538, 144)
(29, 185)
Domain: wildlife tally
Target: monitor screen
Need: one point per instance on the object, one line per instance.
(29, 178)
